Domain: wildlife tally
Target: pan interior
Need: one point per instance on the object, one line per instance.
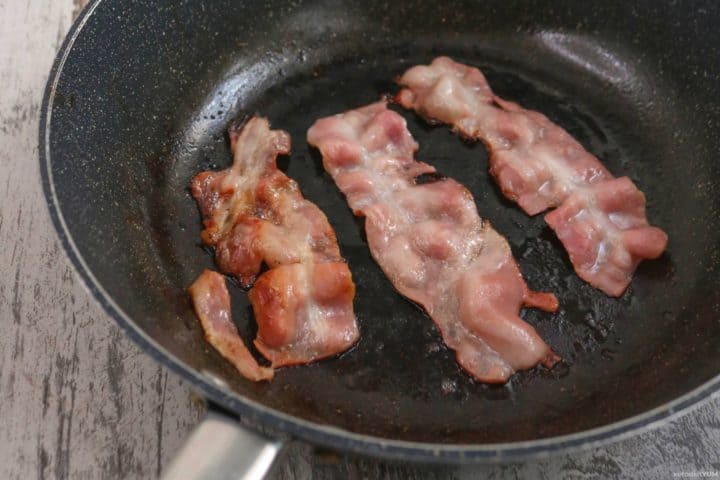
(130, 128)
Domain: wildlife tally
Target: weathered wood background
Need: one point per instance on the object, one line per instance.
(78, 400)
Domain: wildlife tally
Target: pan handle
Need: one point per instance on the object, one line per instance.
(221, 448)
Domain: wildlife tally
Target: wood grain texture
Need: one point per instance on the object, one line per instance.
(79, 400)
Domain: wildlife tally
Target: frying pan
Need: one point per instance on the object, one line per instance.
(140, 98)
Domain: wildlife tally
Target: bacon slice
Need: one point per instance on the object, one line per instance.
(431, 243)
(212, 306)
(253, 215)
(600, 220)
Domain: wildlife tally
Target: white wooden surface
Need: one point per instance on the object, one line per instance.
(79, 400)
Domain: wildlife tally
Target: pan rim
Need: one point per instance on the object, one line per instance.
(324, 435)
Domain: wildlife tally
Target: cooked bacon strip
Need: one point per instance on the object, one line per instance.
(600, 220)
(431, 243)
(254, 214)
(212, 306)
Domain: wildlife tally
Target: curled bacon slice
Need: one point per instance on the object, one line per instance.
(212, 306)
(431, 243)
(600, 220)
(253, 215)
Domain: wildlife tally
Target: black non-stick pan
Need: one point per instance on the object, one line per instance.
(140, 98)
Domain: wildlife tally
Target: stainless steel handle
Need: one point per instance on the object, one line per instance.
(220, 448)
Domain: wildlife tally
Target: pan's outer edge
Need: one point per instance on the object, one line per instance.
(256, 414)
